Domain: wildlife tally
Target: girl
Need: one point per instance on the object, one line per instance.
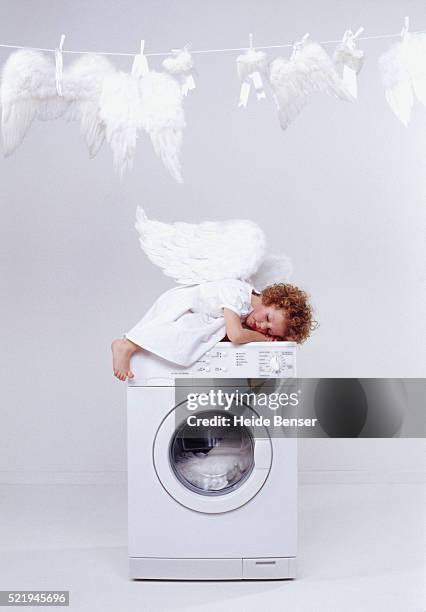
(185, 322)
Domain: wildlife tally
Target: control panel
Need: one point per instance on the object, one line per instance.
(225, 360)
(240, 362)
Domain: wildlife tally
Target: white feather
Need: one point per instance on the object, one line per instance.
(309, 70)
(208, 251)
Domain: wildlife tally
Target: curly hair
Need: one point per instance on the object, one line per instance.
(295, 301)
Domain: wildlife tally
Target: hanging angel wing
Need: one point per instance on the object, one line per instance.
(106, 102)
(28, 92)
(403, 70)
(397, 83)
(208, 251)
(152, 102)
(309, 70)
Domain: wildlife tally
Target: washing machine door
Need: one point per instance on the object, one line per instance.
(211, 468)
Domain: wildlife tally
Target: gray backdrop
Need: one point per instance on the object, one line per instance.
(341, 191)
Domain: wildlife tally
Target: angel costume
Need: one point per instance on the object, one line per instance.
(217, 264)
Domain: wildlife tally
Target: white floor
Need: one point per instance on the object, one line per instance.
(361, 548)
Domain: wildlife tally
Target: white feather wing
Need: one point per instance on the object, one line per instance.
(273, 269)
(416, 62)
(197, 253)
(314, 61)
(28, 92)
(310, 70)
(290, 87)
(397, 82)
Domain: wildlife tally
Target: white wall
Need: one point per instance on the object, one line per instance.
(342, 191)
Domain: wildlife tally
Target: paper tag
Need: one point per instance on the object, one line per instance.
(244, 94)
(257, 80)
(188, 84)
(350, 81)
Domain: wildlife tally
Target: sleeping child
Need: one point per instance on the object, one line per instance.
(218, 297)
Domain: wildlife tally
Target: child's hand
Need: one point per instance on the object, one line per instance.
(272, 338)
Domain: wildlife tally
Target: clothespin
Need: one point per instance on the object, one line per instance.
(349, 37)
(406, 27)
(297, 46)
(59, 63)
(140, 63)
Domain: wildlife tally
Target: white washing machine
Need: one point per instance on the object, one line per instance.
(191, 518)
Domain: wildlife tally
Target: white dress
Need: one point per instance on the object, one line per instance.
(185, 322)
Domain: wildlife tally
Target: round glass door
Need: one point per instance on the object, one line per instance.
(210, 469)
(212, 460)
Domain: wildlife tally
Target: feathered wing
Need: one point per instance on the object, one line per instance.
(163, 117)
(397, 82)
(416, 61)
(309, 70)
(208, 251)
(322, 74)
(273, 269)
(403, 70)
(290, 87)
(28, 92)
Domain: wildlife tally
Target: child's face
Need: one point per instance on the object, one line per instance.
(268, 320)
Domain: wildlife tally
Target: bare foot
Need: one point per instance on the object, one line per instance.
(122, 350)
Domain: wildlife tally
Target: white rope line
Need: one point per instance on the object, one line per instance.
(199, 51)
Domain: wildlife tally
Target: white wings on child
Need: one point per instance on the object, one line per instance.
(213, 250)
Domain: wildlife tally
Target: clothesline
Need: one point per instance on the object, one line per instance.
(199, 51)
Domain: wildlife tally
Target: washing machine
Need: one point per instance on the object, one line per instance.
(213, 502)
